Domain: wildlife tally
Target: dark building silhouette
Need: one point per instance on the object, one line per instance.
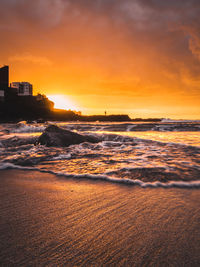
(17, 103)
(4, 80)
(22, 88)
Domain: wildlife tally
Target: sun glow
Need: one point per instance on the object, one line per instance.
(62, 102)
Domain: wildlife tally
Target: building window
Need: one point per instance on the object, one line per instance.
(21, 89)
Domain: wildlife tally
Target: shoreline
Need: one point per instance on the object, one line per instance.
(181, 184)
(50, 220)
(86, 118)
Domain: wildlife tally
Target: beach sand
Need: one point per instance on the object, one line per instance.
(53, 221)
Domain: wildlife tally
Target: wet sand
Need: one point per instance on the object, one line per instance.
(53, 221)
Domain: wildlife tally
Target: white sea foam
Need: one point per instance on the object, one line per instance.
(28, 129)
(156, 184)
(62, 156)
(130, 127)
(170, 120)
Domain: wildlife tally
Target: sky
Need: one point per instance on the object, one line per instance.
(136, 57)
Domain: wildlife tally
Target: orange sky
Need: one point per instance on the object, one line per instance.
(140, 58)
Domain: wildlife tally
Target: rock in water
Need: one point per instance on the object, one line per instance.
(55, 136)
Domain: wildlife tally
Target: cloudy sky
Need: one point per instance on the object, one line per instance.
(140, 57)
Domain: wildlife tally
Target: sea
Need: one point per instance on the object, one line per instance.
(146, 154)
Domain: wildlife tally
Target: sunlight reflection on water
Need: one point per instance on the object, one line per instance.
(185, 138)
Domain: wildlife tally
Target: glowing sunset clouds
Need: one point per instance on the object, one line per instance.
(139, 57)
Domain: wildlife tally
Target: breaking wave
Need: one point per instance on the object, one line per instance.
(24, 127)
(105, 178)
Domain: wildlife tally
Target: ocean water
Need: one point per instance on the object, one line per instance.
(164, 154)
